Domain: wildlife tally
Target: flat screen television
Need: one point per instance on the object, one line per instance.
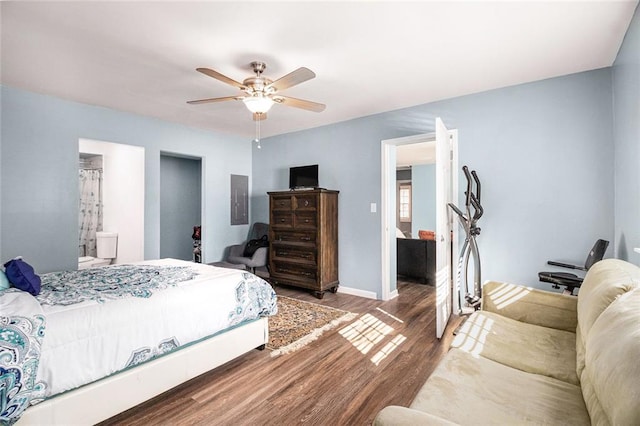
(303, 177)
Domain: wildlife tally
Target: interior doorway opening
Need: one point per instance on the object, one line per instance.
(180, 207)
(446, 232)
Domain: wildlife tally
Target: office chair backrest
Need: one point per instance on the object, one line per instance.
(597, 253)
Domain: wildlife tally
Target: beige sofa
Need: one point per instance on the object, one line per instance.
(536, 357)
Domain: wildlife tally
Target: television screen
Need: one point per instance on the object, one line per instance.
(303, 177)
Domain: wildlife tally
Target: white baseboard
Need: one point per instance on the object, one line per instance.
(393, 294)
(358, 292)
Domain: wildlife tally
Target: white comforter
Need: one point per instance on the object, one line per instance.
(90, 340)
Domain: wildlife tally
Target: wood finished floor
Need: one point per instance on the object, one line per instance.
(332, 381)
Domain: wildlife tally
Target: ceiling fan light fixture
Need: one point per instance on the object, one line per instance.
(258, 104)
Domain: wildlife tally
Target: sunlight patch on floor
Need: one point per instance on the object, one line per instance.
(366, 332)
(389, 315)
(388, 348)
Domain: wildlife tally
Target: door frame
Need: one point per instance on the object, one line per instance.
(388, 216)
(203, 228)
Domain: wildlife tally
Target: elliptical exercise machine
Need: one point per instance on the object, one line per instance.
(472, 291)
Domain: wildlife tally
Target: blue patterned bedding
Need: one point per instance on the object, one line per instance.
(103, 320)
(22, 327)
(115, 282)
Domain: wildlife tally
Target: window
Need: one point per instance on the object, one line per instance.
(405, 203)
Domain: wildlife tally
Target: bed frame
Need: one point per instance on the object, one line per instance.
(112, 395)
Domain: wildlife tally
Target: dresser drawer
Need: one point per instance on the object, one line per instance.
(281, 203)
(287, 252)
(294, 271)
(281, 219)
(306, 201)
(305, 220)
(293, 237)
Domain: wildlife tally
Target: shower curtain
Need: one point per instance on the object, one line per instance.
(90, 217)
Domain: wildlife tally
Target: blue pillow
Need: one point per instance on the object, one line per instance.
(4, 282)
(22, 276)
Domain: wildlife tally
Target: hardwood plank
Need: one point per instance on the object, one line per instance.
(330, 381)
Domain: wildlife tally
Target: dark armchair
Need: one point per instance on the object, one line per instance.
(259, 258)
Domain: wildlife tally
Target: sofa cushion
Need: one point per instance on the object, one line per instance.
(605, 281)
(394, 415)
(474, 390)
(530, 305)
(612, 372)
(527, 347)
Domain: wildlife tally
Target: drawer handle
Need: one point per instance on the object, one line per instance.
(282, 220)
(306, 221)
(282, 203)
(306, 203)
(305, 238)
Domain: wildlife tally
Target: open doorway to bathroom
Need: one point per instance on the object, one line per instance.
(111, 201)
(91, 208)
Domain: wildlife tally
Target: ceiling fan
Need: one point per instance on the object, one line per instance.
(260, 93)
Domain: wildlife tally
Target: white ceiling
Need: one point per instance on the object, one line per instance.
(369, 57)
(415, 154)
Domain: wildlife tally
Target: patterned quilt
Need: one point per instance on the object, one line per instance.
(22, 327)
(104, 320)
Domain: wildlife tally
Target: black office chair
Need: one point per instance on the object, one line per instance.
(571, 281)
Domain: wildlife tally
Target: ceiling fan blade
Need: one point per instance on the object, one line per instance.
(300, 103)
(295, 77)
(221, 77)
(259, 117)
(206, 101)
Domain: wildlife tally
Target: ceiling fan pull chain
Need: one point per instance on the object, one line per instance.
(257, 139)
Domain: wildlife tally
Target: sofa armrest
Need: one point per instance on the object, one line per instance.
(530, 305)
(394, 415)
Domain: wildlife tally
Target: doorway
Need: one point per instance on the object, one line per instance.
(180, 205)
(121, 184)
(446, 171)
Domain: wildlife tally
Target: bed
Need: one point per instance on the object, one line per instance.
(106, 339)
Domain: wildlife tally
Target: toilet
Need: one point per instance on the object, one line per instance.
(107, 248)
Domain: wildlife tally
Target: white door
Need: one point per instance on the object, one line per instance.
(443, 231)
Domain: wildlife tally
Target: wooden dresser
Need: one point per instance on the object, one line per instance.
(303, 239)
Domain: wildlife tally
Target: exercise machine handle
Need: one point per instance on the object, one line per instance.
(475, 177)
(566, 265)
(476, 205)
(465, 169)
(457, 210)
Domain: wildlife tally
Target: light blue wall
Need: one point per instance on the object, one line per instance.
(423, 202)
(626, 113)
(543, 151)
(38, 175)
(180, 205)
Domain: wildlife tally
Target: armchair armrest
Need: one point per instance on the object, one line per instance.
(394, 415)
(531, 305)
(259, 258)
(236, 250)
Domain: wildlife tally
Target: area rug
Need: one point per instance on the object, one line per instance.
(299, 323)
